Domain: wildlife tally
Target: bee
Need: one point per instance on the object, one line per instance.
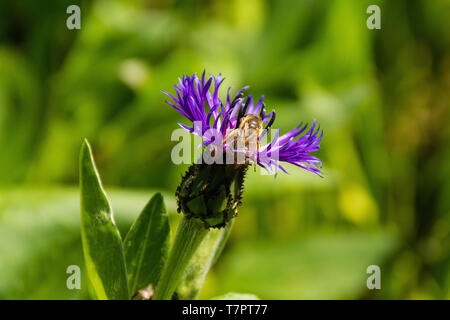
(248, 132)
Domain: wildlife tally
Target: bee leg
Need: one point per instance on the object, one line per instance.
(231, 134)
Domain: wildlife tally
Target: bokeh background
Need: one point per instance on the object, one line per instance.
(381, 96)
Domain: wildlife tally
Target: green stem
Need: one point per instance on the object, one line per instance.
(189, 235)
(204, 258)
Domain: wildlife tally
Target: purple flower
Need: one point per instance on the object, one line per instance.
(198, 100)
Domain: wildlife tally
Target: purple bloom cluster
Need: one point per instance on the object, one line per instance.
(198, 100)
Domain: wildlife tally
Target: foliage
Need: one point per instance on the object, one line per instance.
(382, 97)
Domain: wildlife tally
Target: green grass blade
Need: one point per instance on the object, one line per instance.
(147, 245)
(102, 245)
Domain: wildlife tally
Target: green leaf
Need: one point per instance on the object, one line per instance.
(40, 237)
(147, 245)
(102, 245)
(236, 296)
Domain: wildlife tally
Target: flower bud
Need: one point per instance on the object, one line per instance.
(211, 193)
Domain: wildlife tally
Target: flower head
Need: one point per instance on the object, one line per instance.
(198, 100)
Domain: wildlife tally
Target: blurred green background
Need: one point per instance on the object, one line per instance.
(381, 96)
